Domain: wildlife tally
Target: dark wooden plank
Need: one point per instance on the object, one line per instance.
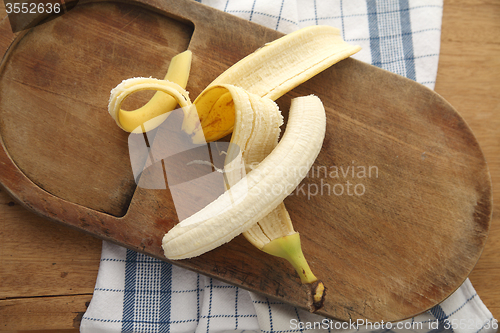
(35, 257)
(49, 313)
(469, 80)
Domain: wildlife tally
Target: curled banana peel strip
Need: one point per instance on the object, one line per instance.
(241, 101)
(157, 109)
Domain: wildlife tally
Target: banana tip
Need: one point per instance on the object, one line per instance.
(317, 292)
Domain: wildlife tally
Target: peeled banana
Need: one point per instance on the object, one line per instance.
(274, 233)
(247, 202)
(240, 101)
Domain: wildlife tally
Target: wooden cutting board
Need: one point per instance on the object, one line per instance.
(400, 238)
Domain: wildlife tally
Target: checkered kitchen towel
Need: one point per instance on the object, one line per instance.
(135, 293)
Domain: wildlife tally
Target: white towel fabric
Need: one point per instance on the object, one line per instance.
(136, 293)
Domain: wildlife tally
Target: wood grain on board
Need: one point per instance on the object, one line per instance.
(469, 67)
(478, 111)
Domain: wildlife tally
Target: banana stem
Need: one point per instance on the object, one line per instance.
(289, 248)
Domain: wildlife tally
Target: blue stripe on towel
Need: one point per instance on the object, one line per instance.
(198, 290)
(393, 17)
(407, 38)
(165, 297)
(129, 294)
(441, 316)
(210, 305)
(251, 12)
(374, 33)
(279, 15)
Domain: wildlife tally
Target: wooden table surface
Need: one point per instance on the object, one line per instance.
(48, 272)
